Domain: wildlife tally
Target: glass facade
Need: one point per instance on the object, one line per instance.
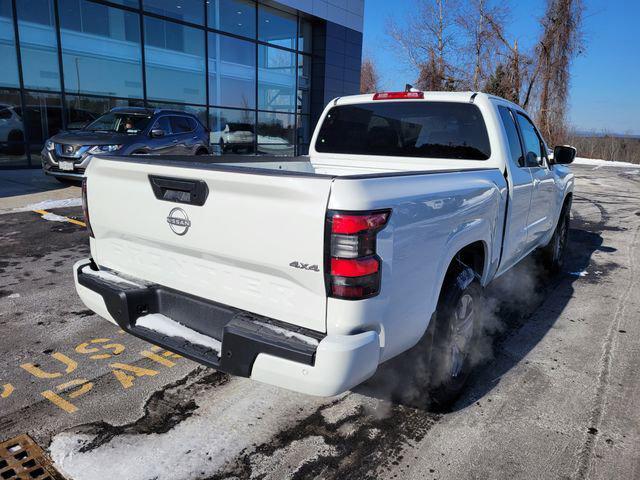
(243, 68)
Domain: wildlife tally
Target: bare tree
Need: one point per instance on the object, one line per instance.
(369, 78)
(428, 38)
(561, 41)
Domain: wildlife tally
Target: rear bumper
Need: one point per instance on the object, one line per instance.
(251, 345)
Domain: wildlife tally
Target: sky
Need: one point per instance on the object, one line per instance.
(605, 79)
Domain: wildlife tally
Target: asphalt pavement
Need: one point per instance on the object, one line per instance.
(555, 393)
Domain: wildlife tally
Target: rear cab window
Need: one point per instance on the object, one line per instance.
(448, 130)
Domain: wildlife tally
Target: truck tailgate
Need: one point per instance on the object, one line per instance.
(236, 249)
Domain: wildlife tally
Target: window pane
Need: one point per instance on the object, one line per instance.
(81, 109)
(512, 135)
(175, 66)
(235, 16)
(9, 71)
(38, 44)
(164, 124)
(532, 145)
(406, 129)
(304, 36)
(276, 27)
(276, 133)
(185, 10)
(232, 72)
(232, 131)
(276, 79)
(12, 147)
(180, 124)
(100, 49)
(304, 130)
(199, 112)
(43, 117)
(304, 83)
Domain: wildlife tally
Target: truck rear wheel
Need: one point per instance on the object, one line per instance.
(455, 336)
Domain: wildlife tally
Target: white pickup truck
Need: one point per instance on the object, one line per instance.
(309, 272)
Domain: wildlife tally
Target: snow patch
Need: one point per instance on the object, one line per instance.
(582, 273)
(599, 163)
(52, 217)
(14, 295)
(165, 326)
(109, 277)
(49, 204)
(229, 420)
(288, 333)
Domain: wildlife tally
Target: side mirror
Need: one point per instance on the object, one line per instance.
(157, 133)
(563, 154)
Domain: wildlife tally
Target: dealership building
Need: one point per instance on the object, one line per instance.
(269, 67)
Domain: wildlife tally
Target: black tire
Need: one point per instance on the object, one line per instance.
(553, 254)
(223, 148)
(455, 330)
(202, 151)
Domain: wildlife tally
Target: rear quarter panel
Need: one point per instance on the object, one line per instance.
(433, 217)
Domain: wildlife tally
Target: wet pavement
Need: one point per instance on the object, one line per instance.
(555, 393)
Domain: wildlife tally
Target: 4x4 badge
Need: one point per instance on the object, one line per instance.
(305, 266)
(178, 221)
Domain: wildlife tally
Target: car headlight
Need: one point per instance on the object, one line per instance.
(49, 145)
(104, 148)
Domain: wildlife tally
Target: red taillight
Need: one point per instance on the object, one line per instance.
(349, 224)
(85, 207)
(354, 267)
(397, 95)
(352, 263)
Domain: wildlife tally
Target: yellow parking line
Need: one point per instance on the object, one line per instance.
(70, 220)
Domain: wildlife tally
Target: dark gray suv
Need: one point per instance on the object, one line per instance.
(124, 131)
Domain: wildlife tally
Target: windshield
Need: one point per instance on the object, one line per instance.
(406, 129)
(240, 127)
(120, 122)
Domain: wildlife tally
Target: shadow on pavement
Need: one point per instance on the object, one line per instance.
(399, 379)
(26, 181)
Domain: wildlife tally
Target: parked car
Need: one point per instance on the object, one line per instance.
(309, 272)
(124, 131)
(235, 136)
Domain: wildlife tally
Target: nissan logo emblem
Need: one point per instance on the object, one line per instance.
(178, 221)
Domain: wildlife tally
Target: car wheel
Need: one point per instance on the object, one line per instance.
(554, 253)
(223, 148)
(455, 336)
(202, 151)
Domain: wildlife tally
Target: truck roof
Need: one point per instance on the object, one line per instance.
(462, 97)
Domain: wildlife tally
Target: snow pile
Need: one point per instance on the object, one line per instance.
(52, 217)
(582, 273)
(229, 419)
(598, 163)
(165, 326)
(288, 333)
(49, 204)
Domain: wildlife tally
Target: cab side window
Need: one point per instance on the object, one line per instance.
(180, 125)
(512, 135)
(534, 152)
(163, 124)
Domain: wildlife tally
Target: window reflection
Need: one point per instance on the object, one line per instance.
(276, 27)
(38, 44)
(235, 16)
(9, 72)
(81, 110)
(232, 71)
(200, 112)
(276, 79)
(276, 132)
(304, 36)
(43, 117)
(175, 67)
(12, 148)
(100, 49)
(186, 10)
(232, 131)
(304, 83)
